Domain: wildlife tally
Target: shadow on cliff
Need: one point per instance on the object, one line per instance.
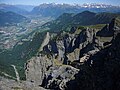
(101, 71)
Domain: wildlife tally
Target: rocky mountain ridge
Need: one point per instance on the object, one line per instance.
(67, 58)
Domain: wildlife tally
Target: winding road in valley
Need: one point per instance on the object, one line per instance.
(16, 72)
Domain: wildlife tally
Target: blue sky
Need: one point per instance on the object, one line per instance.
(37, 2)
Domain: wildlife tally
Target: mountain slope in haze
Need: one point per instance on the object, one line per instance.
(25, 7)
(12, 8)
(10, 18)
(54, 10)
(84, 18)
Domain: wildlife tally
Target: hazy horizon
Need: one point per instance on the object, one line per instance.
(38, 2)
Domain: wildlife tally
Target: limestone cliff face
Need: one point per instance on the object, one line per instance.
(70, 57)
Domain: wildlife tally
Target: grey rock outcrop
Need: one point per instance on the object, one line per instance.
(36, 69)
(44, 72)
(61, 75)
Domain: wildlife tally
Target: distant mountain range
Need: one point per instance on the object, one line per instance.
(96, 5)
(55, 10)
